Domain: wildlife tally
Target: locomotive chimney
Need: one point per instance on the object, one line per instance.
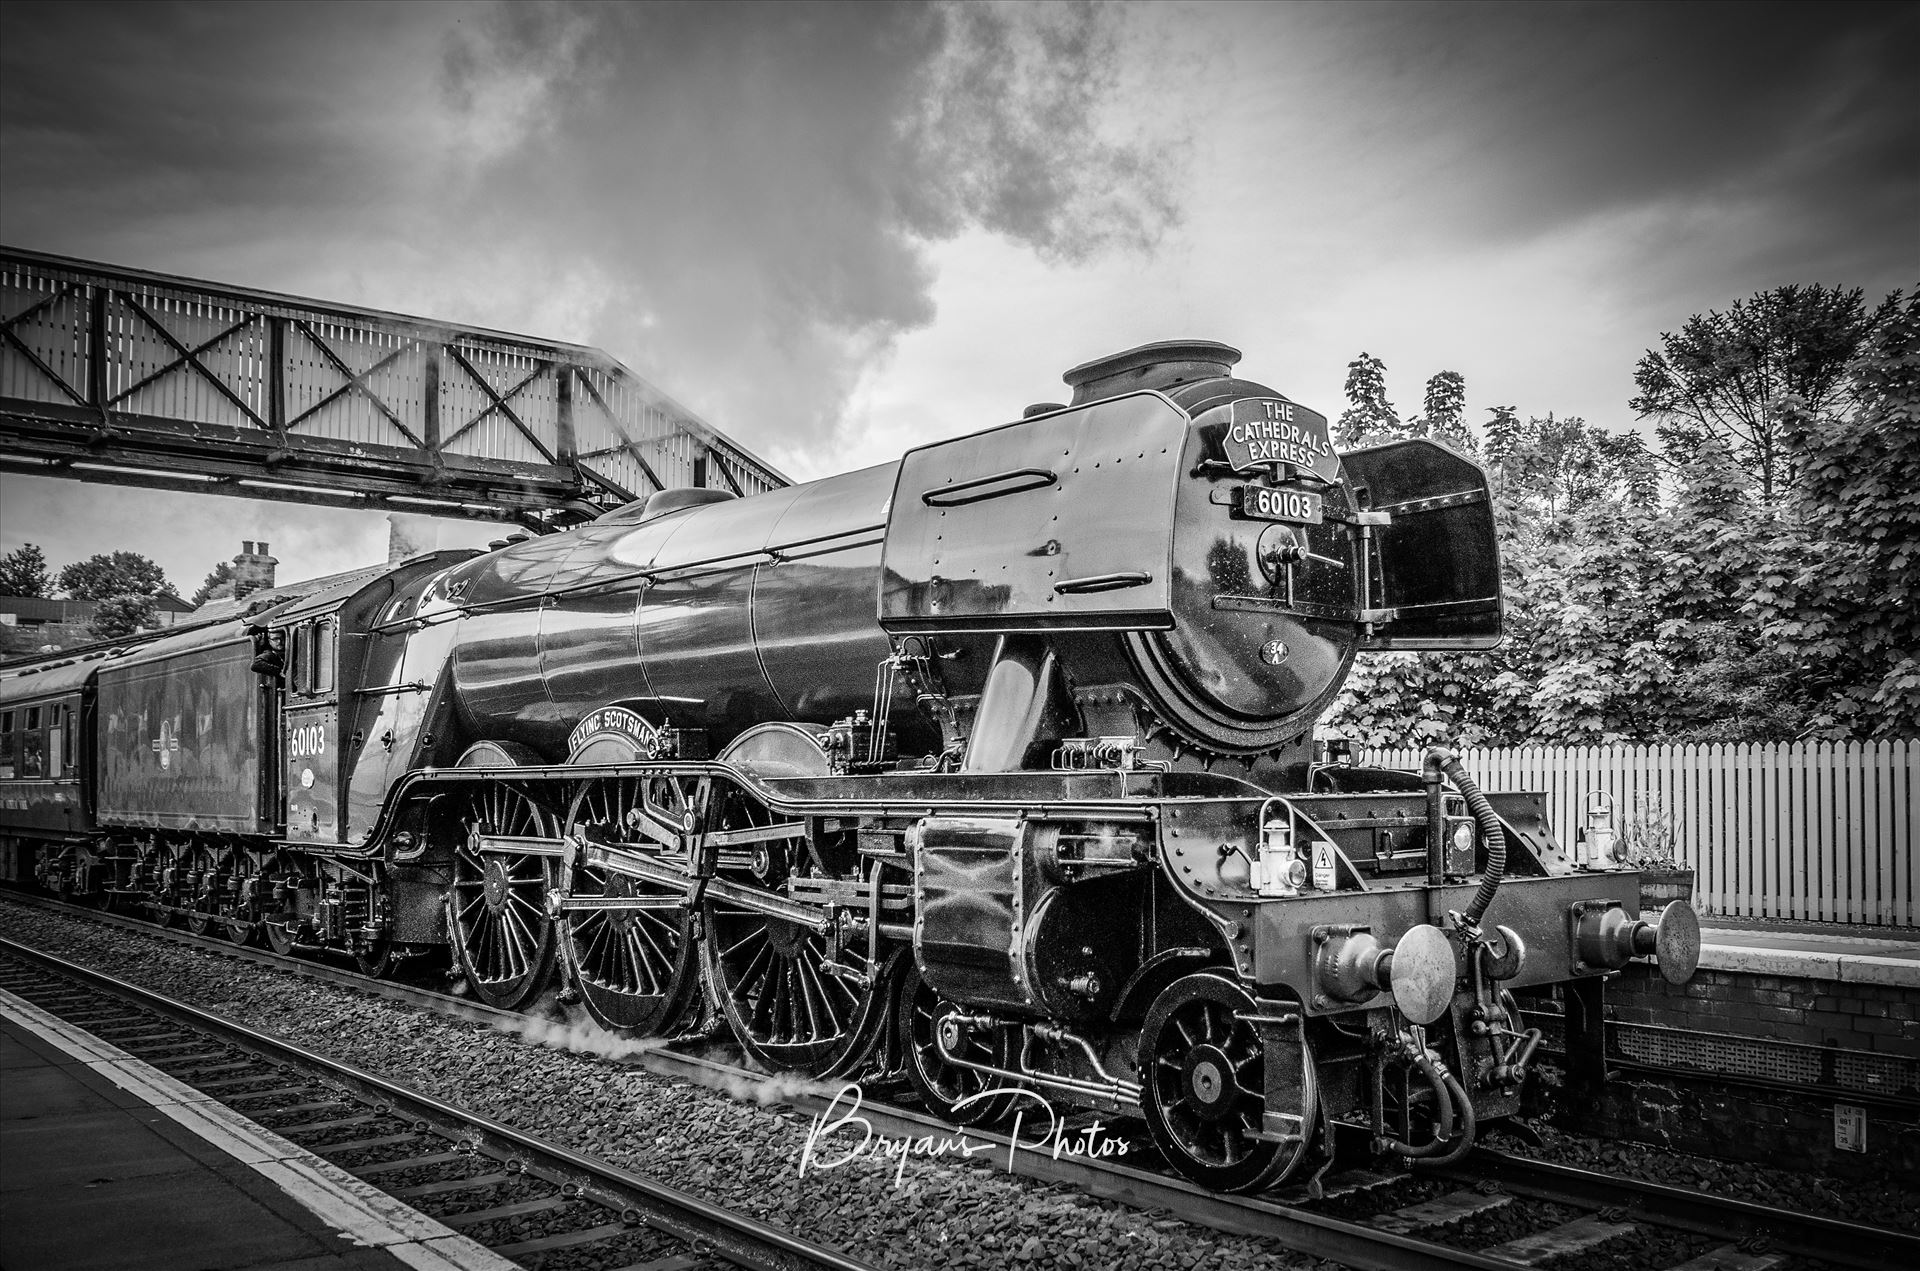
(1160, 365)
(252, 569)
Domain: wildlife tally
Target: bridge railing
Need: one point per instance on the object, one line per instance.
(119, 375)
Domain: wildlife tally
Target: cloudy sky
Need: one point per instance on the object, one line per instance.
(836, 231)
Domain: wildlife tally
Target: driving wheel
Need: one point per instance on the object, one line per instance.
(796, 997)
(496, 908)
(634, 962)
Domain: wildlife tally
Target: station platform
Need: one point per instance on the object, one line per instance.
(107, 1163)
(1810, 951)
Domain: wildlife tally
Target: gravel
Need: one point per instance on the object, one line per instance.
(928, 1212)
(1888, 1201)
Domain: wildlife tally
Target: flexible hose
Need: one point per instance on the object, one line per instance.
(1496, 837)
(1469, 1126)
(1444, 1106)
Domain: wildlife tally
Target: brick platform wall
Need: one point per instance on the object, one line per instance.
(1882, 1018)
(1738, 1021)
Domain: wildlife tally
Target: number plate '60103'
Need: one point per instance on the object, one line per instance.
(1263, 503)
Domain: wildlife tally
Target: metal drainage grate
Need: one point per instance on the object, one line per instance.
(1791, 1063)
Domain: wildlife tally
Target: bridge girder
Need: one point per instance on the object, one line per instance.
(133, 378)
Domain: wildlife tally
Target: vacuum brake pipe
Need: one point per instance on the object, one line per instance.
(1440, 760)
(1449, 1100)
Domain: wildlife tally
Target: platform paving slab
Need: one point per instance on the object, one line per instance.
(106, 1163)
(1858, 956)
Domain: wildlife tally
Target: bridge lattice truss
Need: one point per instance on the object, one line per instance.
(133, 378)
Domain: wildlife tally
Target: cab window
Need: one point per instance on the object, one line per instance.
(299, 657)
(325, 649)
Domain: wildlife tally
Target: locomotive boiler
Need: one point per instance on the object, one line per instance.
(993, 766)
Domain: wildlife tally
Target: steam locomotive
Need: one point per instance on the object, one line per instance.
(993, 765)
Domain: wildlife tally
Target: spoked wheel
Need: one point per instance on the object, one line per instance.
(1203, 1087)
(929, 1025)
(496, 908)
(793, 1004)
(633, 967)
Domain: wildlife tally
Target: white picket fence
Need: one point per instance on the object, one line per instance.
(1809, 831)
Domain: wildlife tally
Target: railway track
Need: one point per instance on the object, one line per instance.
(1542, 1212)
(518, 1195)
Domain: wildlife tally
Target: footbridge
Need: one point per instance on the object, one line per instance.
(133, 378)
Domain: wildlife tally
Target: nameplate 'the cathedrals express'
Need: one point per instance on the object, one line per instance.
(1269, 432)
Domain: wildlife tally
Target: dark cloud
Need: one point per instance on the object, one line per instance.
(1540, 114)
(765, 177)
(741, 194)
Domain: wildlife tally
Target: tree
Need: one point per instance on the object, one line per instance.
(1843, 596)
(121, 615)
(1369, 415)
(23, 572)
(220, 576)
(117, 574)
(1563, 464)
(1443, 413)
(1731, 375)
(1371, 419)
(1504, 433)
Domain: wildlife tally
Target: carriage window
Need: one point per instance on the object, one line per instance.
(33, 746)
(325, 648)
(6, 745)
(68, 744)
(56, 741)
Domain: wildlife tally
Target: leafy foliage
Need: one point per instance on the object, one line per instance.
(1443, 412)
(1734, 376)
(1843, 588)
(218, 577)
(114, 574)
(121, 615)
(1702, 607)
(23, 572)
(1561, 465)
(1369, 416)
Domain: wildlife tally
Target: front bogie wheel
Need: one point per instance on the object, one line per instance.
(933, 1033)
(1203, 1087)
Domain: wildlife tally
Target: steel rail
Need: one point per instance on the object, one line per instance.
(732, 1236)
(1300, 1230)
(1827, 1239)
(1814, 1236)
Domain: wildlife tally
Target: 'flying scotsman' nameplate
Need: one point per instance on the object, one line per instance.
(618, 719)
(1271, 431)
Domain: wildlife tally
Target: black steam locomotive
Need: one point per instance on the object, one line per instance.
(1000, 755)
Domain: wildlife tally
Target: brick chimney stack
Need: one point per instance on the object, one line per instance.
(252, 569)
